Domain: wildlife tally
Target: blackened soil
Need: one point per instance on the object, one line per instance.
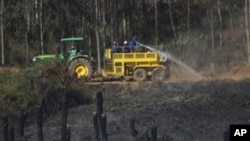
(185, 111)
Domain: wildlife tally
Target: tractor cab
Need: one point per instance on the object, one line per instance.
(71, 48)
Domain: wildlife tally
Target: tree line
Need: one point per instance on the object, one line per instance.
(188, 28)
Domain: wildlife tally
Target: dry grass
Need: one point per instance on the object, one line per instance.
(238, 73)
(11, 69)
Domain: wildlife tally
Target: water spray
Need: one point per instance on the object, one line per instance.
(199, 76)
(167, 56)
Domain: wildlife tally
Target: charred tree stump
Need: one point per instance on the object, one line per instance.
(144, 135)
(68, 133)
(21, 122)
(103, 127)
(4, 127)
(153, 133)
(64, 116)
(96, 126)
(99, 102)
(100, 119)
(45, 109)
(11, 134)
(134, 132)
(226, 135)
(163, 138)
(39, 122)
(38, 108)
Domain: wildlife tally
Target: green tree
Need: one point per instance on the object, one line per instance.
(15, 92)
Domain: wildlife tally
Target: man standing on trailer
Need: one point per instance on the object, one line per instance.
(133, 43)
(115, 46)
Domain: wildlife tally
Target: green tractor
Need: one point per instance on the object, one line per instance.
(79, 64)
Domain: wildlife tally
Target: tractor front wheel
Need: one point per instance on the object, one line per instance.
(81, 68)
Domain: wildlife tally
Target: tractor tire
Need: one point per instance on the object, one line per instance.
(159, 74)
(81, 68)
(140, 75)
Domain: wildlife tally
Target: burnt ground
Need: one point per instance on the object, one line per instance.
(185, 110)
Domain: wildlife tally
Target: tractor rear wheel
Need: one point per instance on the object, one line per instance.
(81, 68)
(159, 74)
(140, 75)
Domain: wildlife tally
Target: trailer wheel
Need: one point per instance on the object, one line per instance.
(140, 75)
(159, 74)
(81, 68)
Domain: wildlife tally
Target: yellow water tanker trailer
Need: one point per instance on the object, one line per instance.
(139, 66)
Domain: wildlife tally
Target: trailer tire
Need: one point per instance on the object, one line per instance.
(140, 75)
(159, 74)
